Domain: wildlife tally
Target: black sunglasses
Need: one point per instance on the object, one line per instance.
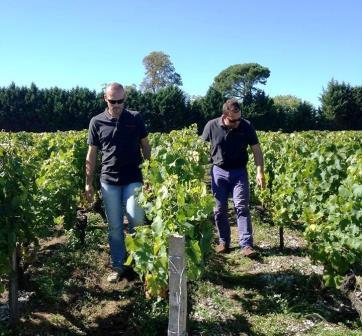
(234, 120)
(112, 101)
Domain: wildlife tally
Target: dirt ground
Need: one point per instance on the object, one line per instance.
(64, 292)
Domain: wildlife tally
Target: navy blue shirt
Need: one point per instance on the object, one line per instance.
(119, 143)
(229, 145)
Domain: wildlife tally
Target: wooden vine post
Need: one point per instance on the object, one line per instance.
(13, 289)
(177, 287)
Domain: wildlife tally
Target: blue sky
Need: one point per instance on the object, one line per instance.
(72, 43)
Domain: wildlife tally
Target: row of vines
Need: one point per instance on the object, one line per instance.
(41, 176)
(42, 181)
(314, 179)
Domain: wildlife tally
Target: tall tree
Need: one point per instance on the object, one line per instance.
(240, 80)
(212, 104)
(293, 114)
(141, 102)
(340, 106)
(169, 109)
(259, 109)
(357, 96)
(160, 72)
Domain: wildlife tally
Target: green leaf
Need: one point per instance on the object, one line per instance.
(357, 190)
(129, 260)
(130, 243)
(157, 225)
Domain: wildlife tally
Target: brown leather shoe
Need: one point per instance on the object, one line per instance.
(222, 248)
(248, 251)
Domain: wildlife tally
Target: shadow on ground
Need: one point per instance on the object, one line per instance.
(287, 291)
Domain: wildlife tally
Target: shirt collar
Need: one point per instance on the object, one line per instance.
(221, 124)
(109, 117)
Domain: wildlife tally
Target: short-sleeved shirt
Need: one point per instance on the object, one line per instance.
(229, 145)
(119, 143)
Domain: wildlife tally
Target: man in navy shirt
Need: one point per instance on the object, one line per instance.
(230, 135)
(120, 135)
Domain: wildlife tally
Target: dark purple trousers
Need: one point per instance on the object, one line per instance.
(236, 183)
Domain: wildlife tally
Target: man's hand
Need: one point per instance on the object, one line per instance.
(259, 163)
(260, 179)
(89, 193)
(147, 186)
(90, 163)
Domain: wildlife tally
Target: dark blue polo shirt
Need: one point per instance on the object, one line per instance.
(119, 143)
(229, 145)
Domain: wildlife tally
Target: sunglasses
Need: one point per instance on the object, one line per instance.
(112, 101)
(234, 120)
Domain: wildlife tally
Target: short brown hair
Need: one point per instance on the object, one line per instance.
(231, 104)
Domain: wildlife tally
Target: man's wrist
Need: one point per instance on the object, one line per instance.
(260, 170)
(89, 183)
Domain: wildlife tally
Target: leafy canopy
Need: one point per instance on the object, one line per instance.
(240, 80)
(160, 72)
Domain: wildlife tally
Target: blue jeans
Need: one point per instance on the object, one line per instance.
(119, 200)
(236, 182)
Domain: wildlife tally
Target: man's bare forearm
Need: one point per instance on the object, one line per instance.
(90, 164)
(89, 172)
(258, 158)
(146, 152)
(146, 148)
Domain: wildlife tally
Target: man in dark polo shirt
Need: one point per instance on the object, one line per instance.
(230, 135)
(120, 135)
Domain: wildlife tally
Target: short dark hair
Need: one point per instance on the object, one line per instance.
(231, 104)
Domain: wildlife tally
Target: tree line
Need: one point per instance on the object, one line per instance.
(165, 106)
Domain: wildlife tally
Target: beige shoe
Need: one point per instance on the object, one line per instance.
(222, 248)
(248, 251)
(115, 276)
